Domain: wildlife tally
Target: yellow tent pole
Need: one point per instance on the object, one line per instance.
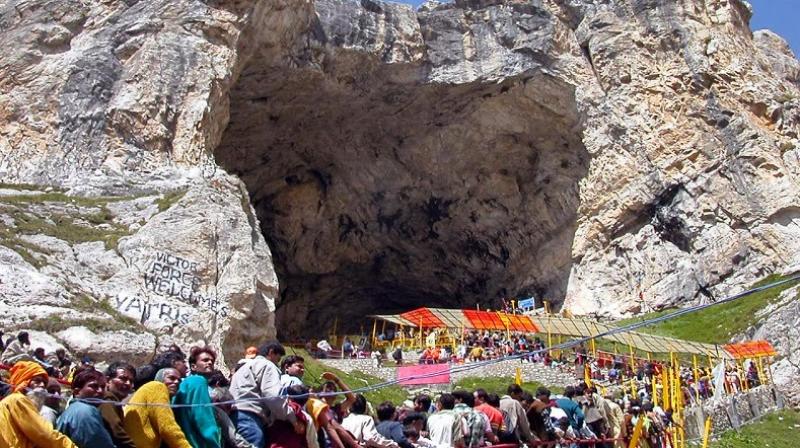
(559, 343)
(672, 393)
(743, 376)
(630, 349)
(761, 373)
(549, 334)
(462, 332)
(666, 396)
(655, 390)
(587, 374)
(514, 307)
(374, 330)
(677, 381)
(335, 336)
(402, 336)
(383, 327)
(767, 372)
(696, 373)
(710, 374)
(421, 341)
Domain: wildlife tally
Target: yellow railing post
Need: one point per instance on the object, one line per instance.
(696, 373)
(707, 432)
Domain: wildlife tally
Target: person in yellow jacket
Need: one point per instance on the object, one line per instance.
(149, 426)
(21, 426)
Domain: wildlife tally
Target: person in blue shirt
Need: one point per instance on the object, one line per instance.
(82, 422)
(198, 423)
(571, 408)
(389, 427)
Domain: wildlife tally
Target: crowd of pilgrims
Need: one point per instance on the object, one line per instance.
(178, 401)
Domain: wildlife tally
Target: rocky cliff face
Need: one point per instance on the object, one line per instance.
(587, 152)
(115, 222)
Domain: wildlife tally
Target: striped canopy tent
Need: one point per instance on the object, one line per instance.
(556, 325)
(750, 349)
(578, 327)
(466, 319)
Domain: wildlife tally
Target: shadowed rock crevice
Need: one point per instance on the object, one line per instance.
(379, 191)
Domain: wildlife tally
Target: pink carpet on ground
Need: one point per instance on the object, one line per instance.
(434, 374)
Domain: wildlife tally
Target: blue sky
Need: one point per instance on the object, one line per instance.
(781, 16)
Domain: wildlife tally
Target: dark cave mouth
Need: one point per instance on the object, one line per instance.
(379, 196)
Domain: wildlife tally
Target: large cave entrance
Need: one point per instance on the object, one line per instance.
(379, 192)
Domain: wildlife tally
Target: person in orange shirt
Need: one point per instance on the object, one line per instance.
(22, 426)
(494, 414)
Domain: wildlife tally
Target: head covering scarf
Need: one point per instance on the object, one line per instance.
(23, 372)
(162, 373)
(250, 353)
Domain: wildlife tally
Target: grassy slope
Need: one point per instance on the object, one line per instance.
(498, 385)
(716, 325)
(778, 430)
(354, 380)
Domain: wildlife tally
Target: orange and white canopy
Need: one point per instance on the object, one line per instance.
(466, 319)
(750, 349)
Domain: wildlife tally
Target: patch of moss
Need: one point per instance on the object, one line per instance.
(54, 324)
(167, 200)
(65, 228)
(82, 302)
(25, 187)
(61, 197)
(25, 249)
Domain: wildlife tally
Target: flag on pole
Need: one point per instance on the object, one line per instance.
(518, 377)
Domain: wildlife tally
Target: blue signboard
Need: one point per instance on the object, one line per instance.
(526, 304)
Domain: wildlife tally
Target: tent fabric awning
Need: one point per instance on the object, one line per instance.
(396, 319)
(423, 317)
(457, 319)
(750, 349)
(575, 327)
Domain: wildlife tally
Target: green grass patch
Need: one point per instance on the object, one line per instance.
(355, 379)
(61, 197)
(82, 302)
(54, 324)
(499, 385)
(778, 430)
(169, 199)
(717, 324)
(25, 187)
(64, 228)
(25, 249)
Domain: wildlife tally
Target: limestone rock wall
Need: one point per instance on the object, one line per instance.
(615, 156)
(116, 223)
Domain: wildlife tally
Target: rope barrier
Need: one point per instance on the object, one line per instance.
(479, 364)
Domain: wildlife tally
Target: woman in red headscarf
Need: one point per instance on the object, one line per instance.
(22, 425)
